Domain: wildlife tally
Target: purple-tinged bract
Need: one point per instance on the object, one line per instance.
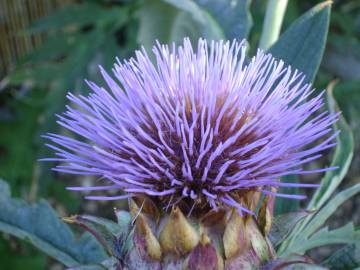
(200, 126)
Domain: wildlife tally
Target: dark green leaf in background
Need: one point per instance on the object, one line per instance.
(346, 258)
(77, 15)
(302, 44)
(283, 205)
(20, 256)
(40, 225)
(80, 37)
(17, 146)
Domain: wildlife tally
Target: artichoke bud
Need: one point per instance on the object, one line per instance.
(258, 241)
(178, 237)
(146, 238)
(235, 239)
(265, 215)
(204, 256)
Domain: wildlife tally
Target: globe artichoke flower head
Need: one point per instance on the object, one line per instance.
(196, 137)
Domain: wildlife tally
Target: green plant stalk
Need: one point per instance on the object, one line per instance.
(274, 16)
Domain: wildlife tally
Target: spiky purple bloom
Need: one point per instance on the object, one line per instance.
(197, 126)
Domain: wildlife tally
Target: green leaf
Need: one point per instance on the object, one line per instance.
(332, 179)
(293, 262)
(39, 225)
(342, 158)
(17, 139)
(174, 20)
(347, 234)
(210, 27)
(109, 264)
(80, 37)
(346, 258)
(54, 47)
(70, 76)
(347, 95)
(304, 266)
(283, 225)
(10, 259)
(302, 44)
(283, 205)
(155, 14)
(72, 15)
(123, 218)
(233, 16)
(320, 218)
(114, 237)
(89, 267)
(40, 75)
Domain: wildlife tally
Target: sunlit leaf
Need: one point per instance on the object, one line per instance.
(174, 20)
(233, 16)
(322, 216)
(211, 29)
(344, 235)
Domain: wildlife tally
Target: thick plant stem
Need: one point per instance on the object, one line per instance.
(275, 11)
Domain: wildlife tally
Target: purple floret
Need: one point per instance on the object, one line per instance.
(198, 125)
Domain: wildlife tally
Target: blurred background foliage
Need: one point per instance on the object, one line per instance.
(48, 47)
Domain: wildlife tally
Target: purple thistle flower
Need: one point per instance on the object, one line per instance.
(200, 126)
